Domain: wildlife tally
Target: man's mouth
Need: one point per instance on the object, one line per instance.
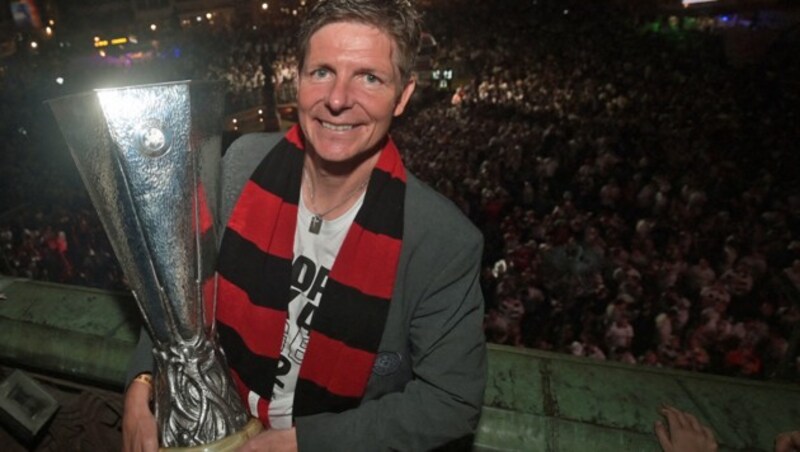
(336, 127)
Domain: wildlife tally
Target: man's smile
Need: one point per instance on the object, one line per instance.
(336, 127)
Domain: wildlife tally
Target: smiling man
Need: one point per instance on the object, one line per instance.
(348, 302)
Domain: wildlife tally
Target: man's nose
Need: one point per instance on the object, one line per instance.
(339, 95)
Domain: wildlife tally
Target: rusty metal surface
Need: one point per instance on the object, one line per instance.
(80, 333)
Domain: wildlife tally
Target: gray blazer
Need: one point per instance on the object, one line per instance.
(426, 389)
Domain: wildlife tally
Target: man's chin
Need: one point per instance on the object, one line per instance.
(338, 159)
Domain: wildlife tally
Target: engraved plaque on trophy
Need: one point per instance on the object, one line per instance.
(149, 156)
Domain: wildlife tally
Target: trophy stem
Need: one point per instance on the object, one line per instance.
(195, 401)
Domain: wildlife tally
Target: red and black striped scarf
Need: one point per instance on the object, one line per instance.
(255, 265)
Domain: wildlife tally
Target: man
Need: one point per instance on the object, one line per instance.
(348, 305)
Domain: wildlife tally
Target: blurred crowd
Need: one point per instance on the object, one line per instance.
(637, 193)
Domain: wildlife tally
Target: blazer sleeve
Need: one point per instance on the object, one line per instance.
(142, 358)
(442, 401)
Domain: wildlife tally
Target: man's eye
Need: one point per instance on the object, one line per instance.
(320, 73)
(371, 79)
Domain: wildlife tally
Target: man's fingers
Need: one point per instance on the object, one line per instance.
(692, 421)
(788, 442)
(674, 418)
(663, 436)
(710, 437)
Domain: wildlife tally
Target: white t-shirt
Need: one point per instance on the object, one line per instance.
(314, 255)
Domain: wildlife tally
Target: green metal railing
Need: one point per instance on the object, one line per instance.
(535, 401)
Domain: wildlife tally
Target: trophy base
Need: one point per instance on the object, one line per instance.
(227, 444)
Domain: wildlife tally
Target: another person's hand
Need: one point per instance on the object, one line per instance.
(272, 441)
(788, 442)
(139, 433)
(685, 433)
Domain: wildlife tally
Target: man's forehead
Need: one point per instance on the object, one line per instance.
(356, 38)
(354, 25)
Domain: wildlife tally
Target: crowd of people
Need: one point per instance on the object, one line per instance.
(636, 192)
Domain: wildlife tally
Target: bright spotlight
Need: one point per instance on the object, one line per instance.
(60, 80)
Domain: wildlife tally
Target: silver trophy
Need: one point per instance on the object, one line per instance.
(149, 157)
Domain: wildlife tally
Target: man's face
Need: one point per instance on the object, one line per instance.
(349, 90)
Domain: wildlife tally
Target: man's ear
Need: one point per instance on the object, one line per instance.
(405, 95)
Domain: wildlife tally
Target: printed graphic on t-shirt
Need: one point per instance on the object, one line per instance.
(308, 283)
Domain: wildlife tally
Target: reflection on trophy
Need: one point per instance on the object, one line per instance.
(149, 157)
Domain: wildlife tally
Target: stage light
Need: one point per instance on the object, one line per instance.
(687, 3)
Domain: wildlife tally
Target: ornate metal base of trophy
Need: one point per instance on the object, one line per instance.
(228, 444)
(195, 402)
